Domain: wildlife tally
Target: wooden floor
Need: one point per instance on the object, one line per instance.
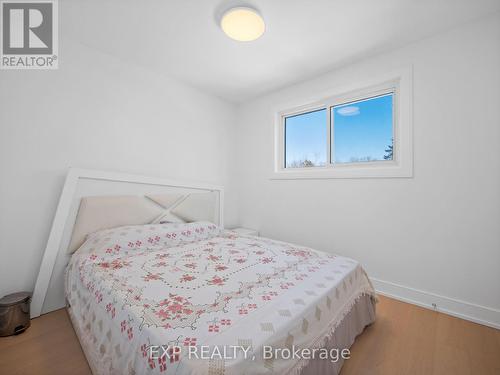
(405, 339)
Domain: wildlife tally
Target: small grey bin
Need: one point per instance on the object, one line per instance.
(14, 313)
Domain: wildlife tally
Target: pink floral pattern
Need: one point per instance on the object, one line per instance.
(189, 283)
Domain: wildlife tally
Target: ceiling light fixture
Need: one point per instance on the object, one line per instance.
(243, 24)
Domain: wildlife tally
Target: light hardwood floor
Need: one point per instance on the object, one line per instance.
(405, 339)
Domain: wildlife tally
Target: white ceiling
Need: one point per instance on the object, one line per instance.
(303, 38)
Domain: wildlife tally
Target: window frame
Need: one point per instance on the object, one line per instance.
(402, 163)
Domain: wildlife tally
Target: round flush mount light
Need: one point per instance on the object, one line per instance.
(243, 24)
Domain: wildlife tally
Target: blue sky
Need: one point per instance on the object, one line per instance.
(361, 130)
(305, 137)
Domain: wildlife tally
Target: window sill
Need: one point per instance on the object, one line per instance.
(344, 171)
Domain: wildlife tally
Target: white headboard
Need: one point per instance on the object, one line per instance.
(126, 199)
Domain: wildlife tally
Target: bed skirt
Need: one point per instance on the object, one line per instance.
(361, 315)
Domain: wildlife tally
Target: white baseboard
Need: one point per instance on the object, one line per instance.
(460, 309)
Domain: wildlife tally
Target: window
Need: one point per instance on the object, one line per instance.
(363, 130)
(305, 140)
(363, 133)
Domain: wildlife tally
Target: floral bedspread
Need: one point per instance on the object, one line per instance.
(133, 288)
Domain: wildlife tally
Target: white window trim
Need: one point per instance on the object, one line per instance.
(400, 82)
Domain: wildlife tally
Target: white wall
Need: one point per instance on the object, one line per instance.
(95, 112)
(438, 232)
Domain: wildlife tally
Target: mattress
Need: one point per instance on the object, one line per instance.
(195, 299)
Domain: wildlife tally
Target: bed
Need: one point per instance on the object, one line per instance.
(188, 297)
